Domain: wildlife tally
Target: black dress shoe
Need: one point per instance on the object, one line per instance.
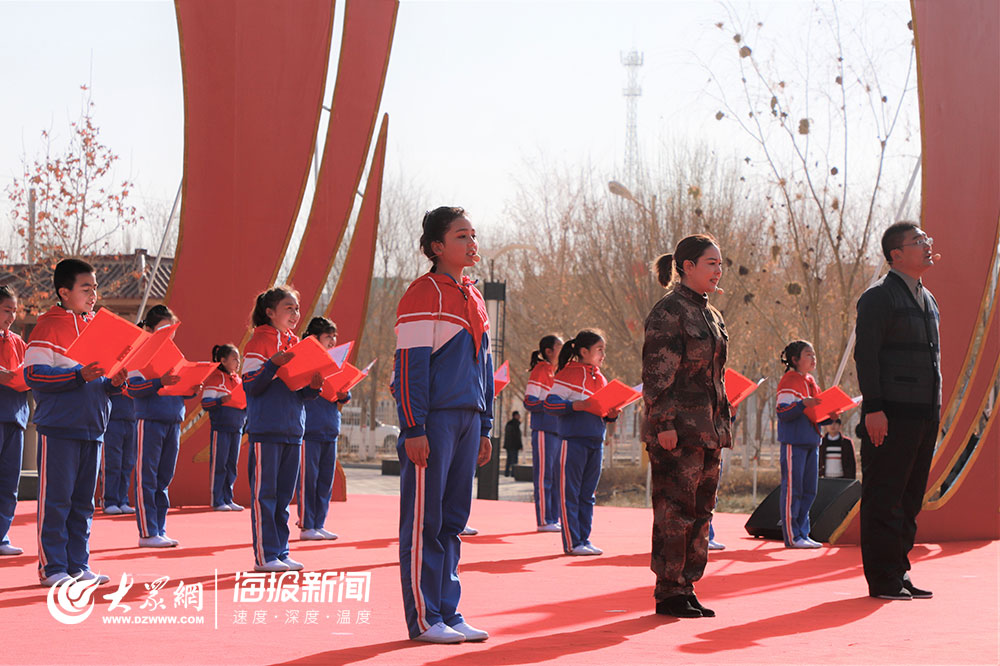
(705, 612)
(900, 595)
(677, 606)
(915, 591)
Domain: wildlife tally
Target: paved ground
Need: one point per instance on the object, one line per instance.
(370, 481)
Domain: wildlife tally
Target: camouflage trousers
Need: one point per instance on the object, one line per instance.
(684, 482)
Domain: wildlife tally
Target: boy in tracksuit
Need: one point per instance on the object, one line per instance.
(72, 410)
(13, 417)
(118, 457)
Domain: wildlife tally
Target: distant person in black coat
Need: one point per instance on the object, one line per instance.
(512, 441)
(836, 454)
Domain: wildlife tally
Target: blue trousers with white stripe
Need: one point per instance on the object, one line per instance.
(117, 461)
(67, 478)
(157, 444)
(580, 463)
(274, 472)
(225, 454)
(318, 462)
(434, 504)
(799, 478)
(11, 449)
(545, 449)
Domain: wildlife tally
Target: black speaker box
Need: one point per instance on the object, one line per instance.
(834, 500)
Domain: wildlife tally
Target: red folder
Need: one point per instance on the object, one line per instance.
(616, 395)
(192, 375)
(151, 348)
(166, 360)
(501, 378)
(309, 358)
(238, 398)
(832, 402)
(16, 382)
(739, 387)
(344, 380)
(109, 341)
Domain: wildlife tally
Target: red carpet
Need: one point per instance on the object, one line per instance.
(774, 605)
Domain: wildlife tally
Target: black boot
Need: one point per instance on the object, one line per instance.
(677, 606)
(705, 612)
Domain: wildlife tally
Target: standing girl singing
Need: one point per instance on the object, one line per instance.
(227, 425)
(545, 442)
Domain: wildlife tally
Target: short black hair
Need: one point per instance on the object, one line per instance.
(66, 271)
(892, 239)
(7, 292)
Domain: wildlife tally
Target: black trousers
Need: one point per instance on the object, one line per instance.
(511, 461)
(893, 481)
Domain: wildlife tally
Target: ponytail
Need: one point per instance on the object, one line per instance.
(546, 344)
(585, 339)
(791, 353)
(663, 269)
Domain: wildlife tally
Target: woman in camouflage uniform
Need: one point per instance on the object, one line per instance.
(687, 421)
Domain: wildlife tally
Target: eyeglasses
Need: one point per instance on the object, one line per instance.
(925, 241)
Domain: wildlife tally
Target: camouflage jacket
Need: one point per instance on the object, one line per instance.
(683, 363)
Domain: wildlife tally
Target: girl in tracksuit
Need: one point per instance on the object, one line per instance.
(800, 439)
(227, 426)
(118, 455)
(319, 447)
(581, 427)
(158, 442)
(443, 385)
(545, 442)
(13, 416)
(276, 419)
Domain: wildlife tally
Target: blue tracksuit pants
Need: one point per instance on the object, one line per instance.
(799, 477)
(225, 453)
(273, 474)
(545, 450)
(117, 460)
(318, 461)
(67, 478)
(434, 504)
(157, 445)
(580, 465)
(11, 449)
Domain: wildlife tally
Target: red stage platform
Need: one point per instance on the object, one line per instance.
(774, 605)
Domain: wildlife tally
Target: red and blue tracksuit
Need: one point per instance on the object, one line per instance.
(119, 453)
(227, 429)
(443, 385)
(582, 452)
(158, 442)
(800, 440)
(71, 416)
(318, 460)
(545, 444)
(276, 420)
(13, 420)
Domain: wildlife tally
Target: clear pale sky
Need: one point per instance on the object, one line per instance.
(476, 91)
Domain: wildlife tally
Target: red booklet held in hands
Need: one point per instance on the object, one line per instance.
(832, 403)
(16, 382)
(166, 360)
(616, 395)
(309, 358)
(238, 398)
(501, 378)
(108, 340)
(192, 375)
(344, 380)
(739, 387)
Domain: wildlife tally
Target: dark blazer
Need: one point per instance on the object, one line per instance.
(512, 436)
(846, 457)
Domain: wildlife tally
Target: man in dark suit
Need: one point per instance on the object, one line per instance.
(898, 361)
(512, 442)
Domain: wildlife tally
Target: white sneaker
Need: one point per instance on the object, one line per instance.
(173, 542)
(271, 565)
(815, 544)
(127, 509)
(222, 507)
(8, 549)
(113, 510)
(235, 507)
(155, 542)
(329, 536)
(87, 574)
(441, 633)
(804, 543)
(715, 545)
(292, 564)
(594, 549)
(471, 634)
(468, 531)
(310, 535)
(582, 549)
(57, 577)
(551, 527)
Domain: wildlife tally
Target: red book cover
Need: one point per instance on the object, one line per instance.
(192, 376)
(166, 359)
(343, 381)
(739, 387)
(149, 349)
(238, 398)
(501, 378)
(615, 395)
(107, 340)
(309, 357)
(832, 402)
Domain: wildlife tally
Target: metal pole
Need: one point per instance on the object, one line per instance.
(31, 226)
(159, 254)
